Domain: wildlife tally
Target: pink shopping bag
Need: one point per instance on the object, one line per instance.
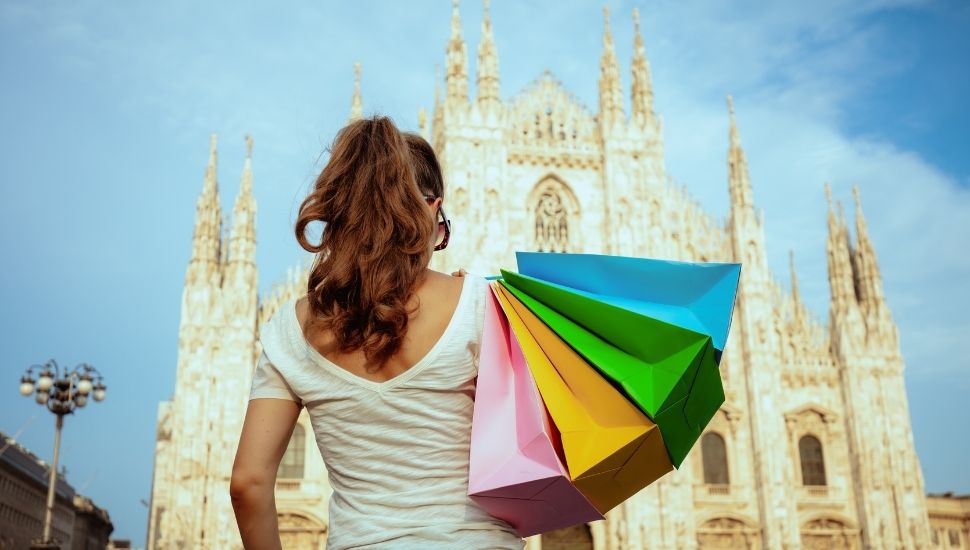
(515, 471)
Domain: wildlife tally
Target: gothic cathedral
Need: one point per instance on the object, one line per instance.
(813, 447)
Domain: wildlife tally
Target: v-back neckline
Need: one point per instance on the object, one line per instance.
(367, 383)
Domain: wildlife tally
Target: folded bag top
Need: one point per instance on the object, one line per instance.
(638, 334)
(696, 296)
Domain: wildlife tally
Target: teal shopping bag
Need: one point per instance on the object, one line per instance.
(692, 295)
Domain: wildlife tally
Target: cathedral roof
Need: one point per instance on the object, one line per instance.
(547, 114)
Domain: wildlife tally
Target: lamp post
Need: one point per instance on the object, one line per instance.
(62, 390)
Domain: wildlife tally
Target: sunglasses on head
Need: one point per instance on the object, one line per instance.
(444, 226)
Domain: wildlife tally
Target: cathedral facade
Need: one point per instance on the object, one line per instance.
(813, 447)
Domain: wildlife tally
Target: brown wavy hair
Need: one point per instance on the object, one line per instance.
(378, 235)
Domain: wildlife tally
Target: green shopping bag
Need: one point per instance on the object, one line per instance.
(668, 371)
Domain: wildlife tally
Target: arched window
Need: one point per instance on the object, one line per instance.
(301, 531)
(555, 214)
(726, 532)
(291, 467)
(813, 463)
(577, 537)
(714, 455)
(552, 223)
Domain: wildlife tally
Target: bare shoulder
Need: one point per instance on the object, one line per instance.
(437, 283)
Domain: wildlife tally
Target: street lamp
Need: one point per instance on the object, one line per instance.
(62, 391)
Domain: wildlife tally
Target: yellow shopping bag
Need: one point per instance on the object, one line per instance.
(612, 449)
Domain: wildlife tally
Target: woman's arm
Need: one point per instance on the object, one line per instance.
(265, 434)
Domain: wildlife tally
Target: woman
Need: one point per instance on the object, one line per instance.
(383, 353)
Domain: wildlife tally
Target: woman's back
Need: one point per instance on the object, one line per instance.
(435, 301)
(395, 444)
(395, 437)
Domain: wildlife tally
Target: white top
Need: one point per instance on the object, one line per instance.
(396, 451)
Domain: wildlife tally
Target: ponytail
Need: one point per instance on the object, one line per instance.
(377, 238)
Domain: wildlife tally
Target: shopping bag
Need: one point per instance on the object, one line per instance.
(612, 449)
(669, 371)
(698, 296)
(515, 472)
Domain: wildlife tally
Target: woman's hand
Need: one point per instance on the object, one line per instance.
(460, 273)
(265, 434)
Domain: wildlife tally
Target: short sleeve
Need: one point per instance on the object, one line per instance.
(268, 382)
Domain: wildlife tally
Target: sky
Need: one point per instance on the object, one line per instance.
(106, 115)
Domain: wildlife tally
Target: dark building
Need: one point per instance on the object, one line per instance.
(77, 525)
(92, 526)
